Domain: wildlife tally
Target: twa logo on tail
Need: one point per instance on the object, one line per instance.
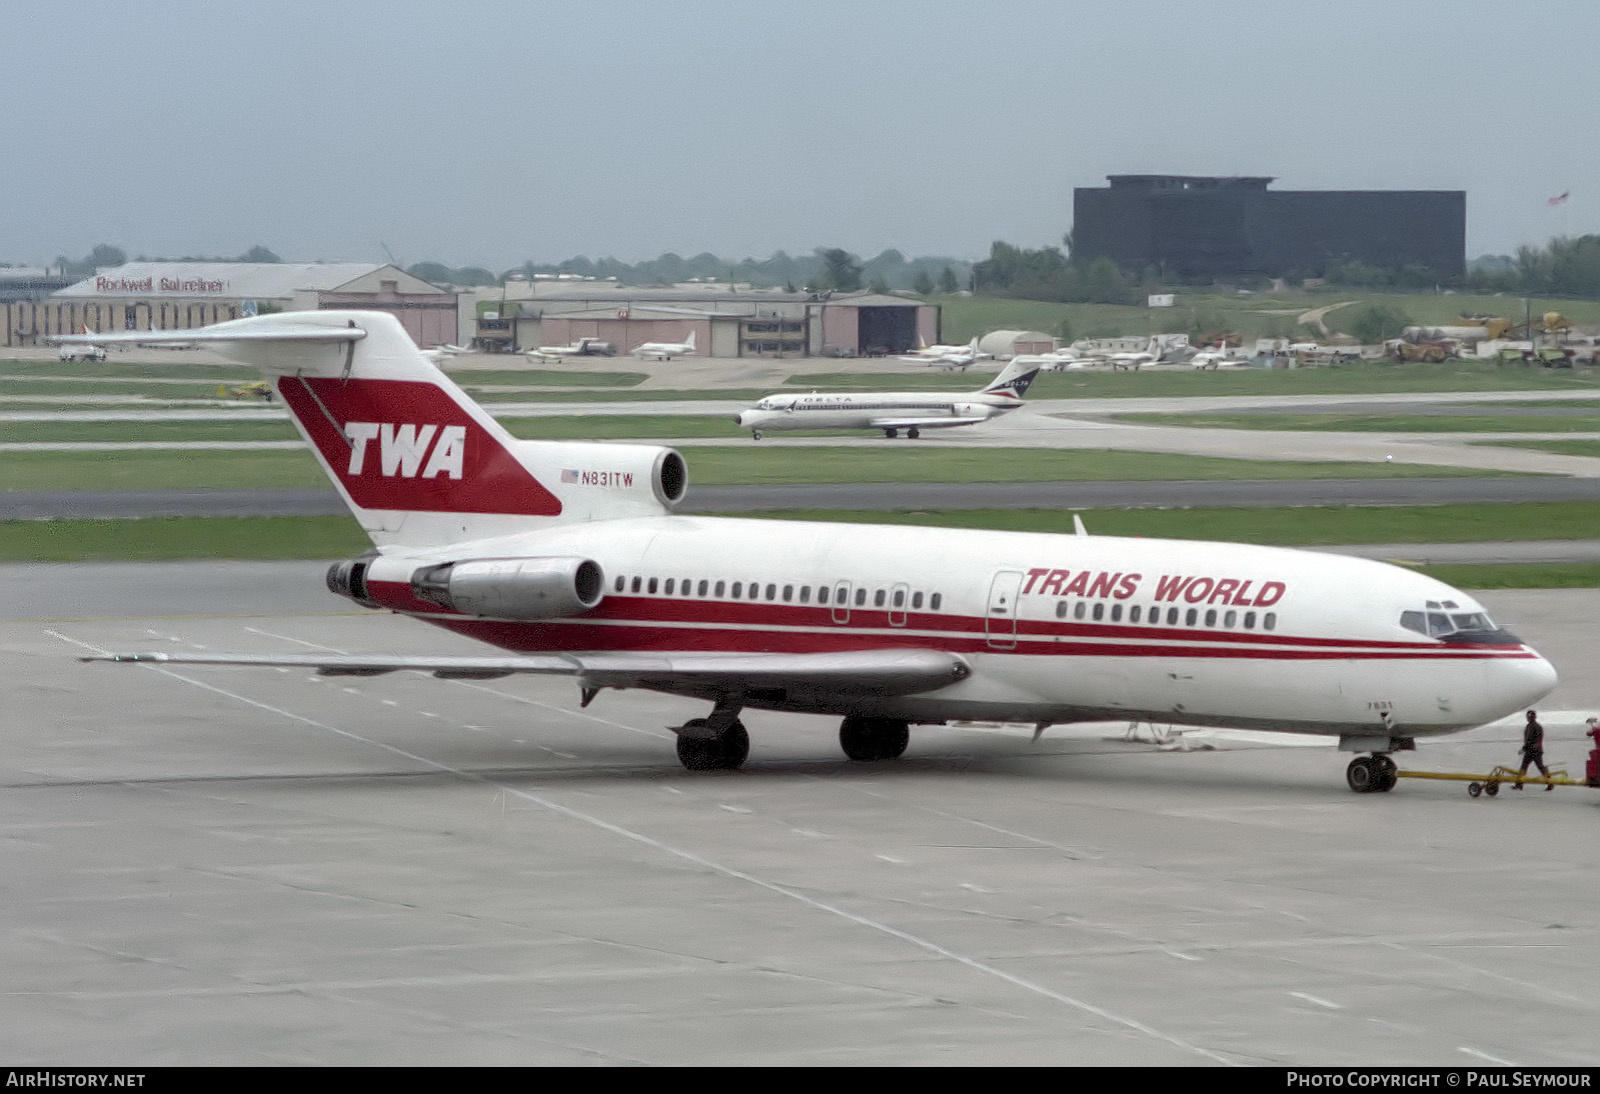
(401, 448)
(412, 445)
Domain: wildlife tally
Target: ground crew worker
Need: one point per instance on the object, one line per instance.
(1593, 733)
(1533, 749)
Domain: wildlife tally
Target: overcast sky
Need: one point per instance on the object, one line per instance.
(490, 133)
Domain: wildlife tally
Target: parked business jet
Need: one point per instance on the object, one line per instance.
(583, 347)
(946, 357)
(666, 351)
(568, 558)
(892, 411)
(444, 352)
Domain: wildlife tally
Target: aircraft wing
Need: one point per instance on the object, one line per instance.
(866, 672)
(923, 423)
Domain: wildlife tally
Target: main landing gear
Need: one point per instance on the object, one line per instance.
(720, 743)
(704, 744)
(867, 739)
(1373, 774)
(912, 431)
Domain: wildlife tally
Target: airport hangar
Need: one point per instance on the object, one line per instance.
(184, 295)
(1201, 227)
(725, 322)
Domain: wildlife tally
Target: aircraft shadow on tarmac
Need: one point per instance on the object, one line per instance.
(1003, 758)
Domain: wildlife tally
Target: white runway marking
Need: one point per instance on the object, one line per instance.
(1319, 1001)
(926, 945)
(1485, 1056)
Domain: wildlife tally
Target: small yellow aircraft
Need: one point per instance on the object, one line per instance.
(245, 391)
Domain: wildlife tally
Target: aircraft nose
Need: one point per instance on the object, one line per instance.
(1517, 684)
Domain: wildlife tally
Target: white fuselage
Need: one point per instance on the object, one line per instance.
(1055, 628)
(869, 410)
(665, 351)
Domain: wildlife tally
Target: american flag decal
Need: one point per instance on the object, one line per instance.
(569, 476)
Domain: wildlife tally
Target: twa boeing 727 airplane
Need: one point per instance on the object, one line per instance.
(569, 559)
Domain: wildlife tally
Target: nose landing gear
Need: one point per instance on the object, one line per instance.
(1371, 774)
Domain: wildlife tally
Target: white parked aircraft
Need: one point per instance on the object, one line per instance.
(948, 357)
(444, 352)
(666, 351)
(892, 411)
(568, 557)
(583, 347)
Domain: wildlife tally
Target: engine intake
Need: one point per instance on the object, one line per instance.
(512, 588)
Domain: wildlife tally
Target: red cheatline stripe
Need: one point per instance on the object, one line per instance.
(755, 614)
(567, 635)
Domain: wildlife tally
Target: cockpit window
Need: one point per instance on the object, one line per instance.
(1440, 624)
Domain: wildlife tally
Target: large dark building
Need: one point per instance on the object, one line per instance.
(1201, 228)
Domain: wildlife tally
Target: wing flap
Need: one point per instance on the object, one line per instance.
(870, 672)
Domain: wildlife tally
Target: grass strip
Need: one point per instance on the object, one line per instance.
(1349, 379)
(175, 538)
(711, 466)
(159, 470)
(84, 432)
(1377, 423)
(167, 538)
(727, 465)
(1582, 575)
(1299, 527)
(1560, 448)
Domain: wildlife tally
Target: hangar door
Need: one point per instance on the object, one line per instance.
(888, 329)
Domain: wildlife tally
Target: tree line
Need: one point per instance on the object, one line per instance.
(823, 270)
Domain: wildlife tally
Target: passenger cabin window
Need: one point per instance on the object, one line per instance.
(720, 586)
(916, 600)
(1116, 613)
(621, 582)
(877, 599)
(772, 592)
(1099, 610)
(1133, 614)
(1211, 618)
(861, 597)
(1249, 621)
(1061, 609)
(934, 601)
(899, 598)
(822, 594)
(788, 593)
(1190, 616)
(1269, 621)
(636, 583)
(652, 586)
(1079, 610)
(738, 589)
(702, 587)
(1172, 617)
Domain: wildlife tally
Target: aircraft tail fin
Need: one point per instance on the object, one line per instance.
(689, 341)
(416, 459)
(1016, 377)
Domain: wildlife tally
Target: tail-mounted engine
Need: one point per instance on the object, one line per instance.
(512, 588)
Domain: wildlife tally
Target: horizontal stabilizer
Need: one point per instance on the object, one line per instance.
(284, 333)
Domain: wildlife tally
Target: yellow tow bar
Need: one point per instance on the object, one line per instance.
(1490, 784)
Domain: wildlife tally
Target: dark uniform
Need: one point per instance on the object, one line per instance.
(1533, 747)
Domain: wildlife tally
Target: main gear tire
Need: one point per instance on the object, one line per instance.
(700, 748)
(868, 739)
